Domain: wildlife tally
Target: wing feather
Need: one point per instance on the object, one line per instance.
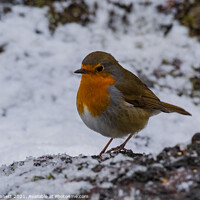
(138, 94)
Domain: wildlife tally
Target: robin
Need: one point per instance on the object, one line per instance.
(113, 101)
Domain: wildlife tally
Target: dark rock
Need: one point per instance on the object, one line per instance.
(187, 12)
(173, 174)
(196, 138)
(2, 47)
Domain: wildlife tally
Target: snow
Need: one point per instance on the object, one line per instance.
(32, 176)
(29, 179)
(185, 186)
(38, 87)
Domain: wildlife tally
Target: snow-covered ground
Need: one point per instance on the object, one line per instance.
(38, 87)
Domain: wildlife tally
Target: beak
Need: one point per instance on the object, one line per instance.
(81, 71)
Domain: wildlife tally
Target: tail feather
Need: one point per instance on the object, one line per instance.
(172, 108)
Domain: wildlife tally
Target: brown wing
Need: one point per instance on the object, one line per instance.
(137, 93)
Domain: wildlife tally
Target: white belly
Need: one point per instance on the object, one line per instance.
(96, 124)
(111, 124)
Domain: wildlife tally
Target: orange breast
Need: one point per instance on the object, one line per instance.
(93, 93)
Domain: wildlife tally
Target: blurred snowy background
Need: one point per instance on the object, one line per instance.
(43, 42)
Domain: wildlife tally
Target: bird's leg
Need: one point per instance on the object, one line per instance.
(121, 147)
(104, 149)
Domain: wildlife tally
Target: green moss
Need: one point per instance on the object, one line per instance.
(50, 176)
(187, 12)
(76, 12)
(79, 168)
(38, 3)
(195, 83)
(37, 178)
(165, 62)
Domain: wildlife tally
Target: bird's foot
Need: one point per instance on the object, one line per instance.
(118, 149)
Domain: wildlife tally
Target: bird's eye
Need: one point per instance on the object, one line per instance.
(99, 69)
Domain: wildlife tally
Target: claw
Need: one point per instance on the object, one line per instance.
(118, 148)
